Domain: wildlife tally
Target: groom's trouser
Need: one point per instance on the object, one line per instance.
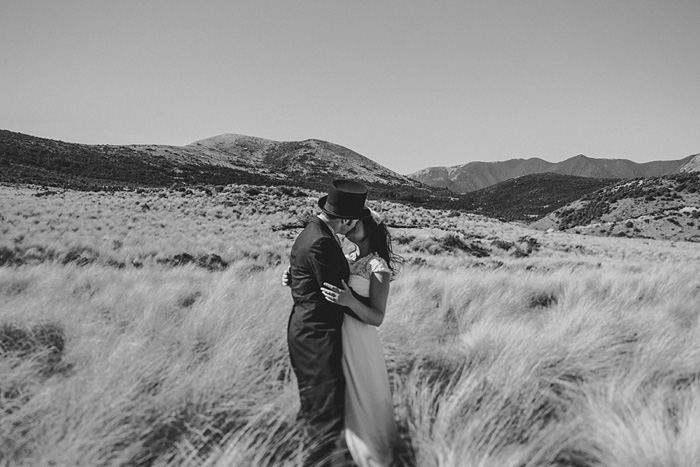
(316, 358)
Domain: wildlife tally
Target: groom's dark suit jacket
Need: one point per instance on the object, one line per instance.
(314, 332)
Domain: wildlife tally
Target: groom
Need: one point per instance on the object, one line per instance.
(314, 330)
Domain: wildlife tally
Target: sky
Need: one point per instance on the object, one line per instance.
(409, 84)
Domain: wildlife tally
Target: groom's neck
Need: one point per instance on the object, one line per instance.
(331, 223)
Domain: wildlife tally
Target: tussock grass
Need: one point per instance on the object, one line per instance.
(584, 352)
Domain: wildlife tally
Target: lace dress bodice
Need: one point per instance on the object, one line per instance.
(361, 270)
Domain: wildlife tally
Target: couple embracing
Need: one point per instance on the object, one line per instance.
(334, 347)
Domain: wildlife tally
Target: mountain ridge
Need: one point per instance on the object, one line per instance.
(220, 160)
(262, 158)
(477, 175)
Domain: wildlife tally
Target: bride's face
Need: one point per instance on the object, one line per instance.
(357, 234)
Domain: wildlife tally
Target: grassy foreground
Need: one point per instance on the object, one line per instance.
(506, 347)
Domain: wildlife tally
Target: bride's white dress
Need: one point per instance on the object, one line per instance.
(370, 427)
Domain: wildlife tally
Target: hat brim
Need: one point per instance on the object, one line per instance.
(322, 205)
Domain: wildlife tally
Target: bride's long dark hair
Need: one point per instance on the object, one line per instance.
(380, 241)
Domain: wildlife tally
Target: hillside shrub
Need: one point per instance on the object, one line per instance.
(289, 191)
(253, 191)
(453, 242)
(503, 245)
(400, 239)
(8, 257)
(531, 244)
(42, 342)
(518, 253)
(543, 300)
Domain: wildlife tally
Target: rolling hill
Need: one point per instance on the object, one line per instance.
(692, 166)
(296, 160)
(218, 160)
(666, 207)
(532, 196)
(477, 175)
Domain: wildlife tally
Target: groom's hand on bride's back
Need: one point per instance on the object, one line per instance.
(341, 296)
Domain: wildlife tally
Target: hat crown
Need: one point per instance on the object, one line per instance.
(346, 199)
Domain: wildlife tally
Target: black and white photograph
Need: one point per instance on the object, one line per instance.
(323, 233)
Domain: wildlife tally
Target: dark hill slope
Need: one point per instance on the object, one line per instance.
(532, 196)
(30, 159)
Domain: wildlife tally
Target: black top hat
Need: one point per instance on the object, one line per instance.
(345, 199)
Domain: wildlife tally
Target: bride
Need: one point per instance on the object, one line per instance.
(370, 427)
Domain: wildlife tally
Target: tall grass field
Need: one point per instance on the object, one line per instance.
(148, 328)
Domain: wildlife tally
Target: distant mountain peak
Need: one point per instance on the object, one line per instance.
(476, 175)
(226, 139)
(307, 159)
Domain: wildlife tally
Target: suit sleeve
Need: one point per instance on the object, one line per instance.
(323, 263)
